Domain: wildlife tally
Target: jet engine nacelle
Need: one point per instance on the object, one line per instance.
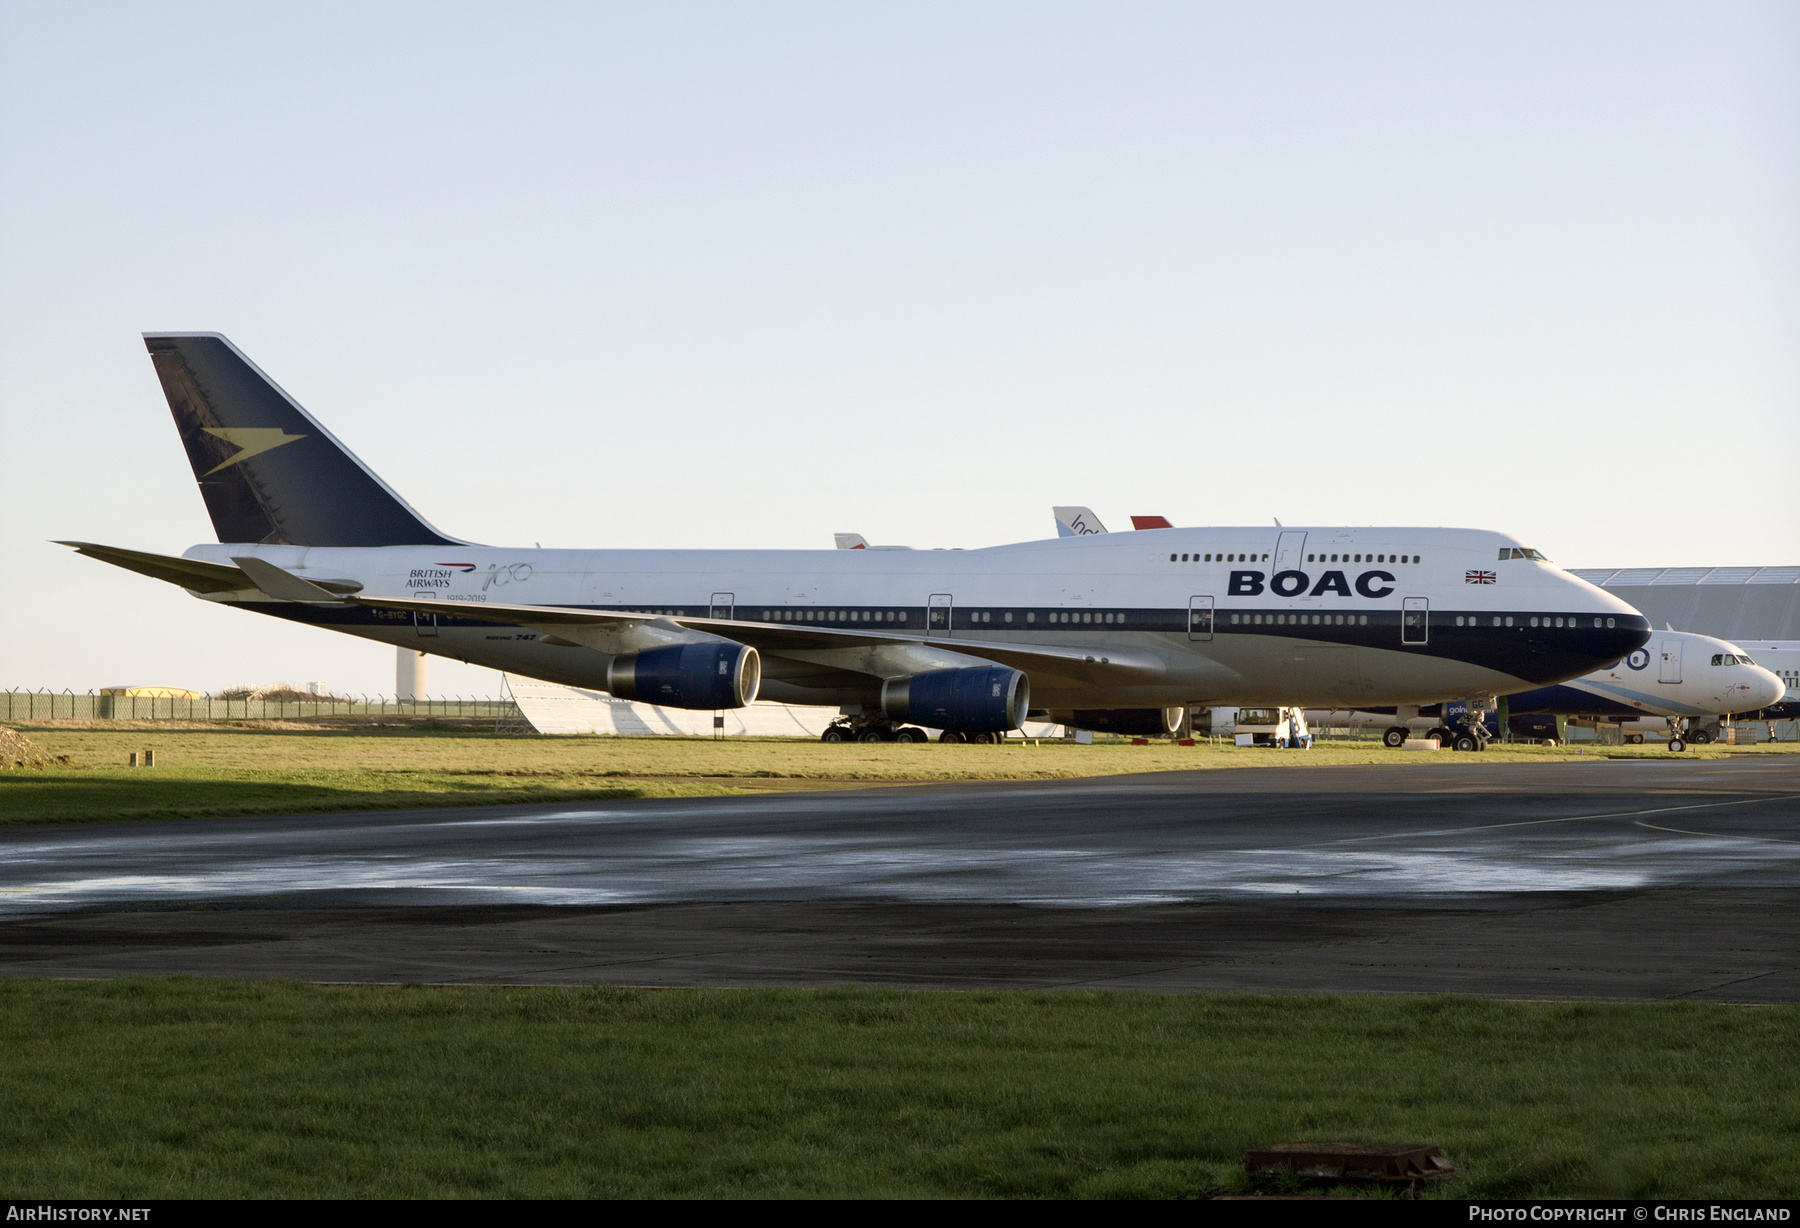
(981, 699)
(712, 675)
(1139, 722)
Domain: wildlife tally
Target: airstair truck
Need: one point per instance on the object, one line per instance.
(1283, 728)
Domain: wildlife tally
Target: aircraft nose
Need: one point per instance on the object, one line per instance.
(1768, 689)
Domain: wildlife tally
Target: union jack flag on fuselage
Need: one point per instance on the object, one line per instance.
(1479, 577)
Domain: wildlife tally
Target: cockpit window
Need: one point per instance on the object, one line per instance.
(1725, 658)
(1522, 552)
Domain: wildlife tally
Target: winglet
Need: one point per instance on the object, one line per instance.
(282, 585)
(850, 541)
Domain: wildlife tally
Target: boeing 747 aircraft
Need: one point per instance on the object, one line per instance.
(964, 641)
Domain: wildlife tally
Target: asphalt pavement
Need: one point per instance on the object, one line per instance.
(1611, 879)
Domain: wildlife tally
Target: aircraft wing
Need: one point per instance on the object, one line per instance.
(1112, 663)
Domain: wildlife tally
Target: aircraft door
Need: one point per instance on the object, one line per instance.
(1670, 668)
(1290, 553)
(1200, 618)
(937, 614)
(425, 624)
(722, 605)
(1415, 620)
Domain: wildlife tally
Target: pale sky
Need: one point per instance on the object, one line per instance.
(748, 274)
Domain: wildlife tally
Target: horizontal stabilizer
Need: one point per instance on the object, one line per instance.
(192, 574)
(283, 585)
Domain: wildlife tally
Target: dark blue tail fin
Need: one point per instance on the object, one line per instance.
(267, 470)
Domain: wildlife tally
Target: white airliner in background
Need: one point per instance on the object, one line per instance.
(1678, 677)
(1779, 657)
(1097, 629)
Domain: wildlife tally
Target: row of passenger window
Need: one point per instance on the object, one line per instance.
(810, 615)
(964, 618)
(970, 618)
(1311, 558)
(1303, 620)
(1363, 558)
(1535, 620)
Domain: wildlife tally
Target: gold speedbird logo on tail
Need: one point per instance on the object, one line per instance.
(251, 441)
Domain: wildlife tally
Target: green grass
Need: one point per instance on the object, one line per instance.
(223, 770)
(183, 1088)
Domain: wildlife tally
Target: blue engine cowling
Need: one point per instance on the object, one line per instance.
(712, 675)
(982, 699)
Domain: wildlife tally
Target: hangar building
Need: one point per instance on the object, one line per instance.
(1732, 603)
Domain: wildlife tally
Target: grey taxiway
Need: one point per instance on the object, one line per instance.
(1626, 878)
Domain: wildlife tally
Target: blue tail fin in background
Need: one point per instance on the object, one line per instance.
(267, 470)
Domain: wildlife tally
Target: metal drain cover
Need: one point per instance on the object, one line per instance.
(1352, 1161)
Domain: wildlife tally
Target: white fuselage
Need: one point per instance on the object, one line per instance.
(1676, 674)
(1321, 617)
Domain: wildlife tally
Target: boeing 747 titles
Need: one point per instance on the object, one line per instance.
(967, 642)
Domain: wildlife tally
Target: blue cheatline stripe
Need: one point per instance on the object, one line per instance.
(1522, 651)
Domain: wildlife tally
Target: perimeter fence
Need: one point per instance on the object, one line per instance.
(68, 705)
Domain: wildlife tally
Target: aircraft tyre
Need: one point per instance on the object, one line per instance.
(1552, 742)
(910, 734)
(1444, 736)
(1676, 745)
(873, 735)
(1700, 737)
(835, 733)
(1466, 742)
(1394, 738)
(984, 739)
(951, 736)
(1636, 739)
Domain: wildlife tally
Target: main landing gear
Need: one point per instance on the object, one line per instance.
(848, 729)
(845, 730)
(1396, 737)
(1473, 736)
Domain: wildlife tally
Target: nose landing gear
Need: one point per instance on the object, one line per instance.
(1676, 742)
